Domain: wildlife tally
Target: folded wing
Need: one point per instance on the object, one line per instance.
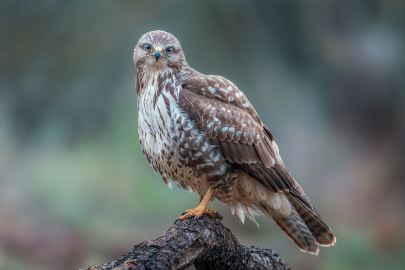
(223, 113)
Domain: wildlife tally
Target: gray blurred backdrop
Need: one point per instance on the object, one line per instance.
(327, 78)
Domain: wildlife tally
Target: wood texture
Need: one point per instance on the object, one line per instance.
(204, 243)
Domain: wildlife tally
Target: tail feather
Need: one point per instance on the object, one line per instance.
(294, 227)
(293, 213)
(322, 233)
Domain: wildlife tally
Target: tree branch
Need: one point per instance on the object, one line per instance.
(204, 243)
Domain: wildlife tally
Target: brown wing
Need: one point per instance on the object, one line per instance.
(234, 126)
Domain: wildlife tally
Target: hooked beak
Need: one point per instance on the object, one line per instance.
(158, 52)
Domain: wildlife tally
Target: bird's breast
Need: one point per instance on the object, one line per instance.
(156, 110)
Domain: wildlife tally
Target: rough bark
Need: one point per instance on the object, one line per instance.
(204, 243)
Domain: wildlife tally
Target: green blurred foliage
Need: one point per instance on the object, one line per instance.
(325, 76)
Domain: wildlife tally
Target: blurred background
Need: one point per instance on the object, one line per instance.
(327, 78)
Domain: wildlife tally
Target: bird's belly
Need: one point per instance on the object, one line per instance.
(165, 159)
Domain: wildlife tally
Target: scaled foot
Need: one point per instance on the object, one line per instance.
(197, 213)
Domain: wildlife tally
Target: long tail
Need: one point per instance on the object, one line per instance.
(320, 231)
(301, 224)
(295, 228)
(290, 211)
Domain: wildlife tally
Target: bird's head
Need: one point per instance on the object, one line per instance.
(159, 50)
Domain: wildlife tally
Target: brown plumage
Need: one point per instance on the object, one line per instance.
(201, 132)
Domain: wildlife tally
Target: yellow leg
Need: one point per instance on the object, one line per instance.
(201, 208)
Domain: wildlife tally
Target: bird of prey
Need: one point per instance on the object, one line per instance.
(200, 132)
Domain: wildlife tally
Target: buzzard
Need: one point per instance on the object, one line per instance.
(200, 132)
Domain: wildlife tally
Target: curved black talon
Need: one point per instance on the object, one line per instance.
(176, 220)
(185, 212)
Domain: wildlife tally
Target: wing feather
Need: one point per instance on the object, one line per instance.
(224, 114)
(264, 152)
(229, 121)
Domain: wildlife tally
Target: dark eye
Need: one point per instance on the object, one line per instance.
(147, 47)
(169, 50)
